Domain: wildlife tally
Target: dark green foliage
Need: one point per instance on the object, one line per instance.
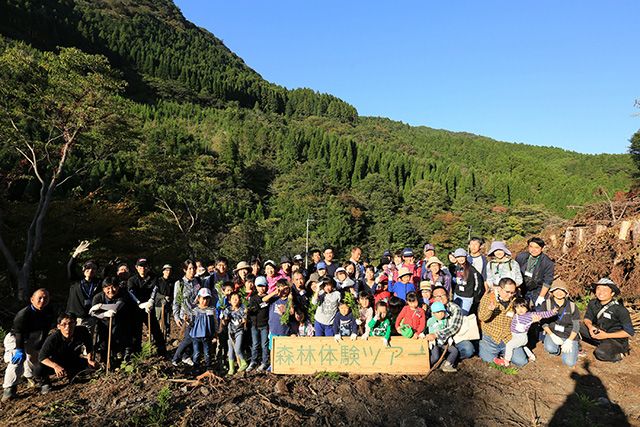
(218, 161)
(162, 54)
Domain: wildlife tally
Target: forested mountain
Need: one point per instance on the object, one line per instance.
(218, 161)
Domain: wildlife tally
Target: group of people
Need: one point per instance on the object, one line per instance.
(490, 304)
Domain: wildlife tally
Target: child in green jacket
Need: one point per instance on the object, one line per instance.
(380, 326)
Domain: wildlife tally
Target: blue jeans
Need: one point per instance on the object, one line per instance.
(489, 350)
(184, 344)
(260, 338)
(323, 330)
(436, 352)
(464, 303)
(466, 349)
(235, 346)
(201, 344)
(570, 359)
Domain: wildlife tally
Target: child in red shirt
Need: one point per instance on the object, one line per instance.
(412, 316)
(381, 292)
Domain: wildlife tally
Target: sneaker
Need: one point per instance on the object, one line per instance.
(46, 388)
(232, 368)
(174, 362)
(251, 366)
(500, 361)
(8, 393)
(243, 365)
(187, 361)
(582, 353)
(262, 367)
(31, 383)
(448, 367)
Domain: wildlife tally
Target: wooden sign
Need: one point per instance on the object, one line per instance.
(308, 355)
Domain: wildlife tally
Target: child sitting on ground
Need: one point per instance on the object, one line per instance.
(437, 322)
(366, 314)
(235, 317)
(203, 326)
(411, 321)
(522, 320)
(380, 326)
(344, 324)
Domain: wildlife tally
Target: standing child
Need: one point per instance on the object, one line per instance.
(235, 317)
(412, 318)
(258, 312)
(522, 321)
(425, 295)
(327, 300)
(437, 322)
(204, 326)
(280, 309)
(344, 324)
(305, 328)
(223, 336)
(381, 293)
(366, 314)
(380, 326)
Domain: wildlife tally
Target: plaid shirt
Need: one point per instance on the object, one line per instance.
(495, 323)
(454, 323)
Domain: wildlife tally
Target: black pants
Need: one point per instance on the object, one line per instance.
(607, 350)
(121, 340)
(143, 319)
(72, 367)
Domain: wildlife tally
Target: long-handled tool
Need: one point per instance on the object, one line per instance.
(109, 346)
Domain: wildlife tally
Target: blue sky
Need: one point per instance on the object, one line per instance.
(558, 73)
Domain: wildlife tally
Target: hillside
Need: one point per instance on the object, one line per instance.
(249, 160)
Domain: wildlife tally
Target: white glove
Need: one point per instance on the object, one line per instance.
(146, 306)
(358, 322)
(95, 308)
(364, 337)
(385, 342)
(353, 337)
(337, 337)
(556, 339)
(109, 313)
(567, 346)
(539, 300)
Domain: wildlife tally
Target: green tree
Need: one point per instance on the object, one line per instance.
(54, 107)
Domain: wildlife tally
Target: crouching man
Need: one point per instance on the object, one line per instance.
(61, 353)
(21, 346)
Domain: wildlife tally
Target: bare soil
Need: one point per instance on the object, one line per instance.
(542, 393)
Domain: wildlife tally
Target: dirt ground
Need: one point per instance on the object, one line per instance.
(543, 393)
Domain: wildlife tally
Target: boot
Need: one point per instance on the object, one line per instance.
(232, 367)
(243, 365)
(9, 393)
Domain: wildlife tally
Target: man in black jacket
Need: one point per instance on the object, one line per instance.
(114, 303)
(84, 288)
(61, 353)
(537, 271)
(143, 288)
(607, 323)
(21, 346)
